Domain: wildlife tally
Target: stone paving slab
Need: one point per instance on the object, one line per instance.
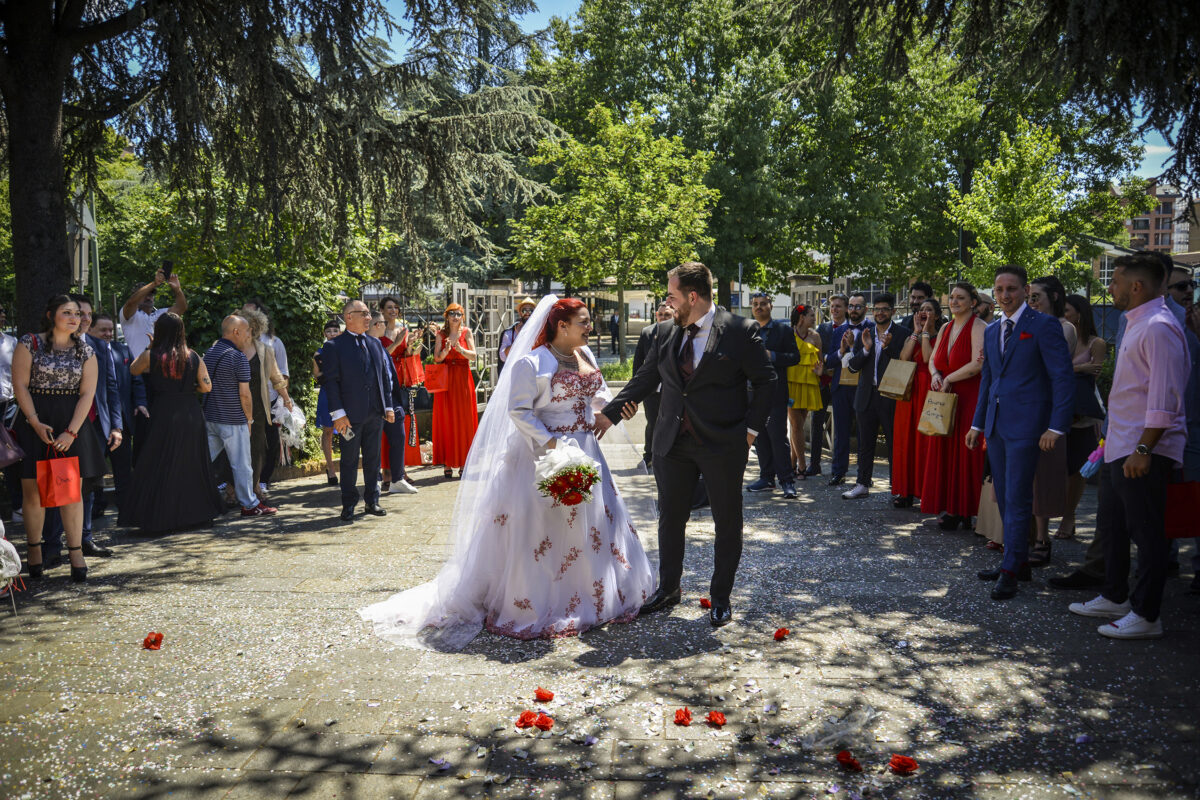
(269, 686)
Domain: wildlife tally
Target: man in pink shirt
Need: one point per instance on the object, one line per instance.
(1147, 431)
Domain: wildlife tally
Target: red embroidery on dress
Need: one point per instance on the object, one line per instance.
(551, 631)
(581, 421)
(574, 604)
(583, 387)
(542, 549)
(598, 593)
(596, 543)
(572, 554)
(501, 520)
(608, 513)
(571, 517)
(523, 604)
(619, 556)
(621, 596)
(633, 530)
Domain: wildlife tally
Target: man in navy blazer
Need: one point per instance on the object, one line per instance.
(837, 315)
(361, 385)
(132, 391)
(772, 447)
(843, 340)
(1026, 399)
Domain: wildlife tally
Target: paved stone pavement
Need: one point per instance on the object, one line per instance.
(267, 684)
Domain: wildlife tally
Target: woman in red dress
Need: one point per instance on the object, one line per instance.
(954, 473)
(908, 445)
(405, 350)
(455, 413)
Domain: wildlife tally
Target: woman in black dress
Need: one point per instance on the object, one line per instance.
(172, 485)
(54, 382)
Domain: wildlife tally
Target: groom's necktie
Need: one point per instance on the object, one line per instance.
(687, 368)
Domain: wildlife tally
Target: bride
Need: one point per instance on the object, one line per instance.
(521, 566)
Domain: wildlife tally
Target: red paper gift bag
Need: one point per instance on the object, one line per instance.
(58, 481)
(437, 378)
(1182, 501)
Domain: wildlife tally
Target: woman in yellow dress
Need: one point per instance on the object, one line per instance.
(804, 388)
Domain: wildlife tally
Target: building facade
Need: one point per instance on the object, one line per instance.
(1166, 228)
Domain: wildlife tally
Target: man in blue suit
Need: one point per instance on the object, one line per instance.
(772, 446)
(837, 315)
(132, 390)
(845, 383)
(361, 384)
(1026, 399)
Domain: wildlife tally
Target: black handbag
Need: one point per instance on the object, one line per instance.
(1087, 398)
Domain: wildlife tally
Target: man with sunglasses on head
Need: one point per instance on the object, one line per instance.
(509, 336)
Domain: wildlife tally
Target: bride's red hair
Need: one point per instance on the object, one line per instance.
(563, 311)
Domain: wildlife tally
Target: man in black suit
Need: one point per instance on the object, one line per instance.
(837, 315)
(774, 450)
(918, 293)
(132, 390)
(707, 421)
(361, 384)
(614, 330)
(873, 350)
(845, 383)
(645, 344)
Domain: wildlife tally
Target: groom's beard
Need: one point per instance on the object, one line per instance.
(681, 315)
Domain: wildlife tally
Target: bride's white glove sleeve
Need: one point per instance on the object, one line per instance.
(523, 393)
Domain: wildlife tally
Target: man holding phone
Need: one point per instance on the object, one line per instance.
(138, 315)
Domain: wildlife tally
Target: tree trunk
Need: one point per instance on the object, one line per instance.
(622, 318)
(33, 97)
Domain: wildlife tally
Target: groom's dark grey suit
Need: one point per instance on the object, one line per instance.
(728, 392)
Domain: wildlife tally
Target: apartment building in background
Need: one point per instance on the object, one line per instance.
(1162, 229)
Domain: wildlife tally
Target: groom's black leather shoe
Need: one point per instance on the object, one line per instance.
(1006, 587)
(720, 614)
(1024, 573)
(376, 510)
(348, 514)
(659, 600)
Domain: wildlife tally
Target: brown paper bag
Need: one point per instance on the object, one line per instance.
(988, 521)
(848, 378)
(898, 379)
(937, 417)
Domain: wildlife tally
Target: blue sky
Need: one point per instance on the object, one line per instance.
(1157, 150)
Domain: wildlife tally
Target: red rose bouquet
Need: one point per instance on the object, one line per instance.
(566, 474)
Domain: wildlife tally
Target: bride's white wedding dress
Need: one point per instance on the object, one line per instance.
(521, 566)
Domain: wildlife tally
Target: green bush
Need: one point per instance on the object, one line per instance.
(617, 371)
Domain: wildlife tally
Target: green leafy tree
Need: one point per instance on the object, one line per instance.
(631, 205)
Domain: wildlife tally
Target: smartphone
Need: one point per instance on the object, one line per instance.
(348, 435)
(167, 267)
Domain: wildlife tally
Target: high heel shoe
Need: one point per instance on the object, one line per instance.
(449, 473)
(1039, 554)
(952, 522)
(332, 479)
(78, 574)
(36, 570)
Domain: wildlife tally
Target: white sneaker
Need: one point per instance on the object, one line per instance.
(402, 486)
(1132, 626)
(858, 491)
(1099, 606)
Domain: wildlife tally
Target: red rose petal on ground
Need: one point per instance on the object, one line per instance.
(683, 717)
(781, 634)
(527, 719)
(543, 722)
(848, 761)
(542, 695)
(715, 718)
(902, 765)
(153, 641)
(705, 602)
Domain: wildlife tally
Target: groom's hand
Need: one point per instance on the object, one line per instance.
(602, 424)
(629, 410)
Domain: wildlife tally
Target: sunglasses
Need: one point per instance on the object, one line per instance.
(1183, 286)
(454, 314)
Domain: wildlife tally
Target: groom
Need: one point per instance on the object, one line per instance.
(707, 421)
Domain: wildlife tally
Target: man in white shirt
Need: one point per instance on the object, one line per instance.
(8, 410)
(138, 315)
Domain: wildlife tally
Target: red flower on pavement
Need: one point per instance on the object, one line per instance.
(542, 695)
(781, 634)
(543, 722)
(705, 602)
(153, 641)
(902, 765)
(715, 718)
(848, 761)
(683, 717)
(527, 719)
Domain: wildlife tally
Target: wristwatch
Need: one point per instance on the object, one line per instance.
(1142, 450)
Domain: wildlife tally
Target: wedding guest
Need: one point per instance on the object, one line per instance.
(1083, 438)
(509, 335)
(954, 472)
(394, 479)
(324, 421)
(361, 385)
(54, 382)
(8, 411)
(874, 349)
(1026, 394)
(1147, 434)
(837, 316)
(804, 385)
(264, 375)
(845, 383)
(918, 293)
(645, 345)
(139, 314)
(406, 356)
(1047, 295)
(911, 454)
(173, 486)
(772, 448)
(986, 310)
(614, 330)
(229, 410)
(273, 450)
(455, 411)
(132, 391)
